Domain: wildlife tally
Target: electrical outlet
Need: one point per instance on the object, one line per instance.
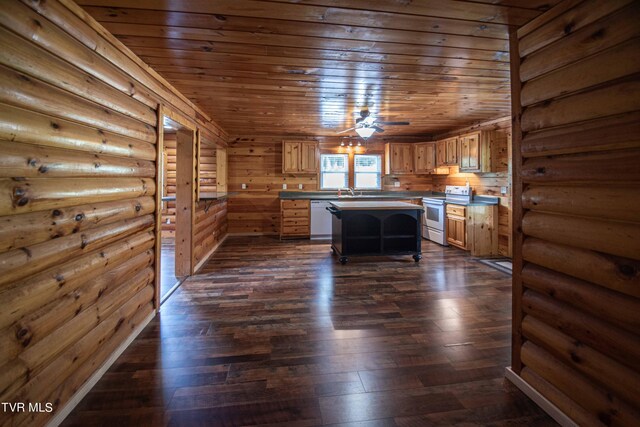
(244, 186)
(503, 190)
(284, 186)
(396, 184)
(299, 186)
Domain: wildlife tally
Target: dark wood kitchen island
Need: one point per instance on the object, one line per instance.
(376, 228)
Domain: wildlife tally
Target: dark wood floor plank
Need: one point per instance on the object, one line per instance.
(279, 333)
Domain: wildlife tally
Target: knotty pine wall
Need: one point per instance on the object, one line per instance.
(576, 211)
(488, 183)
(257, 162)
(78, 137)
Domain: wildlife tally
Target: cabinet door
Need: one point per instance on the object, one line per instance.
(470, 153)
(441, 153)
(425, 158)
(464, 153)
(400, 158)
(452, 151)
(407, 158)
(396, 159)
(290, 157)
(456, 232)
(309, 157)
(474, 151)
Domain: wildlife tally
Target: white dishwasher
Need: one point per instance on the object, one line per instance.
(320, 220)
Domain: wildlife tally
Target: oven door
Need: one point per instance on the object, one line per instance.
(434, 216)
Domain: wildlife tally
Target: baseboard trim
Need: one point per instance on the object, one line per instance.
(211, 252)
(253, 234)
(552, 410)
(93, 379)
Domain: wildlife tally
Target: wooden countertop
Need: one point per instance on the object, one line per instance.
(375, 206)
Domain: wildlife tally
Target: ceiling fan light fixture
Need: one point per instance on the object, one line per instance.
(365, 132)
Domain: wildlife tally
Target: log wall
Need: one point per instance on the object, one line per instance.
(576, 212)
(210, 227)
(488, 183)
(169, 182)
(78, 137)
(210, 221)
(257, 162)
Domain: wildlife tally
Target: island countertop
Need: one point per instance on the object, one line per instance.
(376, 206)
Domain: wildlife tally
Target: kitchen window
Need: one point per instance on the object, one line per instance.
(334, 171)
(367, 171)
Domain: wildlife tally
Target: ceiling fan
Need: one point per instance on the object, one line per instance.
(366, 124)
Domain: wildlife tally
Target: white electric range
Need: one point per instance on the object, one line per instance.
(434, 224)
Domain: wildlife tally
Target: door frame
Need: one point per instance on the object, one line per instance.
(188, 125)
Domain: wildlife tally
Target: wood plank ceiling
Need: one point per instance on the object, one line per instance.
(307, 67)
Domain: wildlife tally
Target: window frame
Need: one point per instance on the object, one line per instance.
(346, 172)
(379, 173)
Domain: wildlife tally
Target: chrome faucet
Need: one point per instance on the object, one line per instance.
(352, 191)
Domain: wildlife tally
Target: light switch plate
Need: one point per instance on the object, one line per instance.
(244, 186)
(284, 186)
(503, 190)
(396, 184)
(299, 186)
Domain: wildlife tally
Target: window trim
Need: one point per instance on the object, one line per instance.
(346, 172)
(379, 173)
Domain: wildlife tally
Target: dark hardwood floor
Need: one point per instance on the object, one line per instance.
(279, 333)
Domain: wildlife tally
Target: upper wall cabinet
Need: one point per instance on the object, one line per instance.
(425, 157)
(441, 153)
(447, 152)
(398, 158)
(300, 157)
(452, 151)
(475, 151)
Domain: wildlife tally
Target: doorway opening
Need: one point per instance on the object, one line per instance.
(176, 181)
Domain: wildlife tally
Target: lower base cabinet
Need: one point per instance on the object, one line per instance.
(295, 219)
(473, 228)
(457, 232)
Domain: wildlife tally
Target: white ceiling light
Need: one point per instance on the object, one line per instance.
(365, 132)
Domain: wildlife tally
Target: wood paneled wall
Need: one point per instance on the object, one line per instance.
(576, 211)
(257, 162)
(78, 137)
(488, 183)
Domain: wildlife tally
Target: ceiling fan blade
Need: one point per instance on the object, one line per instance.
(394, 123)
(358, 120)
(377, 128)
(346, 130)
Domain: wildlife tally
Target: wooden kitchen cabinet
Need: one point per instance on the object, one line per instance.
(457, 226)
(452, 151)
(309, 157)
(441, 153)
(447, 152)
(300, 157)
(295, 219)
(473, 228)
(475, 151)
(398, 158)
(425, 158)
